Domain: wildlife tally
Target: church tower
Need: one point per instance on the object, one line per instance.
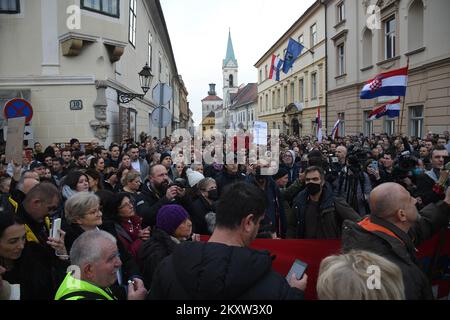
(230, 77)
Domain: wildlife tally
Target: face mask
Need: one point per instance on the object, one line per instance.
(213, 194)
(313, 188)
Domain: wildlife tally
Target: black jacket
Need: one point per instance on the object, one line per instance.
(149, 201)
(214, 271)
(400, 250)
(200, 207)
(223, 179)
(333, 212)
(152, 252)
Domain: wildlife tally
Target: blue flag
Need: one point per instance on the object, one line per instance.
(294, 49)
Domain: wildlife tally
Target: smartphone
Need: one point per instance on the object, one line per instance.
(299, 268)
(374, 165)
(56, 225)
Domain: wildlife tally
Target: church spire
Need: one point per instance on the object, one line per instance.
(230, 53)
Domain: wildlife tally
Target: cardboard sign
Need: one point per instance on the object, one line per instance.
(14, 141)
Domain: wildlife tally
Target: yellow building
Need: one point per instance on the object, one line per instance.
(291, 104)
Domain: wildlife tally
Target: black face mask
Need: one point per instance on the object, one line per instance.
(313, 188)
(213, 194)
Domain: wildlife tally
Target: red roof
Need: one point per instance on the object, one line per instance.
(246, 95)
(212, 98)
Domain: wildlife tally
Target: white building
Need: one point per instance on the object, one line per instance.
(59, 61)
(243, 107)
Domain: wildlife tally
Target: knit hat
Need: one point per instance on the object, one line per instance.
(169, 217)
(165, 155)
(281, 173)
(194, 177)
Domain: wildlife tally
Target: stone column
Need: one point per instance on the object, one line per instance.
(100, 125)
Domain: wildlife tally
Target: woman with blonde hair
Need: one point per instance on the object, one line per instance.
(359, 275)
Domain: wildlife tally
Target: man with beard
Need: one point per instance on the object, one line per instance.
(395, 229)
(319, 214)
(157, 192)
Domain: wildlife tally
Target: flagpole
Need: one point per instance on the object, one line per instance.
(400, 125)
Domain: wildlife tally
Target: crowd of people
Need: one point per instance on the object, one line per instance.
(132, 215)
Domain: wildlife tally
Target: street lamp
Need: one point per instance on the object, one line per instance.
(145, 79)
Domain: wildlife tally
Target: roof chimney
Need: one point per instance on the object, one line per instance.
(212, 89)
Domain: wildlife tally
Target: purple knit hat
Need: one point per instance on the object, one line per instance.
(169, 217)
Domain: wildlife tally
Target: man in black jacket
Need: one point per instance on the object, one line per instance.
(157, 192)
(394, 229)
(225, 268)
(319, 214)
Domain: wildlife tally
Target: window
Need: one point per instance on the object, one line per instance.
(260, 75)
(389, 36)
(292, 92)
(416, 121)
(10, 6)
(106, 7)
(267, 102)
(266, 73)
(285, 96)
(230, 81)
(340, 12)
(389, 126)
(368, 124)
(150, 50)
(260, 104)
(278, 98)
(341, 60)
(159, 66)
(301, 90)
(367, 48)
(273, 100)
(133, 20)
(301, 39)
(313, 35)
(274, 125)
(314, 85)
(341, 126)
(415, 25)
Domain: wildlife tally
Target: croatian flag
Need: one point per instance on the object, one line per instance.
(275, 68)
(335, 131)
(392, 83)
(319, 126)
(391, 109)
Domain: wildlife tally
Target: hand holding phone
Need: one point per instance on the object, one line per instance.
(56, 226)
(298, 268)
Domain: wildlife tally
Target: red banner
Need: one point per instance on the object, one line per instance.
(314, 251)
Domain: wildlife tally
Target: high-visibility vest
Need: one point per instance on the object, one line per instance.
(74, 289)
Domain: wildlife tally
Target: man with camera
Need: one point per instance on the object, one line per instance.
(353, 184)
(157, 191)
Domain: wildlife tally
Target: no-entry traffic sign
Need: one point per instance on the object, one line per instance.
(17, 108)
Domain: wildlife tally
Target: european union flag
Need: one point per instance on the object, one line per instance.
(294, 49)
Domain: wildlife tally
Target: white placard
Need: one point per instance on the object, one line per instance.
(260, 133)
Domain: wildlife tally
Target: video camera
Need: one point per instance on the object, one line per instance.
(404, 165)
(356, 159)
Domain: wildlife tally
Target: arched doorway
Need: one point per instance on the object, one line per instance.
(295, 125)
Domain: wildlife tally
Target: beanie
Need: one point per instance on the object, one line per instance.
(194, 177)
(281, 173)
(169, 217)
(165, 155)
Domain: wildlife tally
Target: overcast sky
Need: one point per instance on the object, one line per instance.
(199, 33)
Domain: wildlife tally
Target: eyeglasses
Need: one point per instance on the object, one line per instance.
(94, 211)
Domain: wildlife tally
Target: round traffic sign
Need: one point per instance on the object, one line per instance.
(161, 117)
(17, 108)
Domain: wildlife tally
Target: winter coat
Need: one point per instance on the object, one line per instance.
(288, 195)
(397, 246)
(152, 252)
(333, 212)
(200, 208)
(224, 179)
(128, 234)
(215, 271)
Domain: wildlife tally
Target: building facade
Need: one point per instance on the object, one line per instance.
(71, 58)
(366, 38)
(243, 107)
(291, 104)
(212, 106)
